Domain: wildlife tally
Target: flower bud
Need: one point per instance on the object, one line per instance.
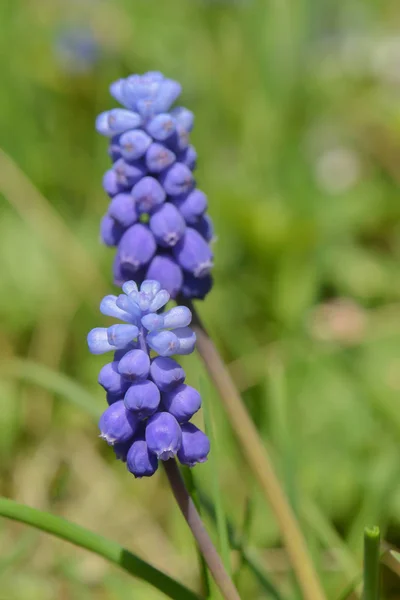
(136, 248)
(148, 194)
(121, 450)
(166, 373)
(184, 117)
(122, 209)
(158, 158)
(182, 402)
(163, 435)
(128, 174)
(196, 287)
(117, 425)
(192, 205)
(179, 316)
(134, 365)
(177, 180)
(161, 127)
(120, 335)
(164, 269)
(111, 183)
(134, 144)
(140, 461)
(188, 157)
(193, 253)
(97, 340)
(195, 445)
(167, 225)
(142, 398)
(110, 231)
(112, 381)
(118, 120)
(204, 226)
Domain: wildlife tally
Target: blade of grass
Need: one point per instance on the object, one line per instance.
(108, 549)
(53, 381)
(221, 522)
(372, 538)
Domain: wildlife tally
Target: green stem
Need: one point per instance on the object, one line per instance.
(108, 549)
(371, 563)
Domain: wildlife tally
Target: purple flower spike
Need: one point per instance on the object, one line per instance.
(122, 209)
(167, 225)
(158, 158)
(136, 248)
(142, 398)
(146, 398)
(177, 180)
(134, 144)
(135, 365)
(112, 381)
(110, 231)
(148, 194)
(117, 425)
(166, 373)
(182, 402)
(163, 435)
(192, 206)
(195, 445)
(165, 269)
(193, 254)
(161, 127)
(141, 462)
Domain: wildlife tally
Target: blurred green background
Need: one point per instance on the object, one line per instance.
(297, 129)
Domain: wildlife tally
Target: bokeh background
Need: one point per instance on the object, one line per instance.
(297, 108)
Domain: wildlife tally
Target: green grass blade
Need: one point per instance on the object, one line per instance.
(108, 549)
(57, 383)
(371, 563)
(221, 521)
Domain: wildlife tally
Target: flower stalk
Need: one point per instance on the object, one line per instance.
(199, 532)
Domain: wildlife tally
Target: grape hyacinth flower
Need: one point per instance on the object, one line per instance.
(157, 216)
(150, 405)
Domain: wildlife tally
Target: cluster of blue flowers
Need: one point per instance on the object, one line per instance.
(150, 406)
(156, 217)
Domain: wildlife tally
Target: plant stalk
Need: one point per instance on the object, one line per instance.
(200, 534)
(371, 563)
(259, 461)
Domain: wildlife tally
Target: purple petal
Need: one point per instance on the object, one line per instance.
(164, 269)
(137, 247)
(142, 398)
(163, 435)
(148, 194)
(167, 225)
(135, 365)
(98, 343)
(182, 402)
(140, 461)
(117, 425)
(195, 445)
(193, 253)
(166, 373)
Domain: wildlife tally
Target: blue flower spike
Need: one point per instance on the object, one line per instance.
(157, 216)
(150, 406)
